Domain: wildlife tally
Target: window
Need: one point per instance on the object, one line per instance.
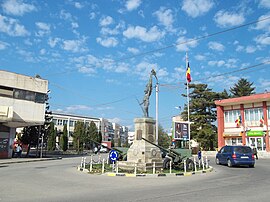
(59, 122)
(231, 116)
(30, 96)
(40, 98)
(71, 123)
(6, 91)
(65, 122)
(254, 114)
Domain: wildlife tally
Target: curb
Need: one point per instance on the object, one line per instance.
(31, 160)
(159, 175)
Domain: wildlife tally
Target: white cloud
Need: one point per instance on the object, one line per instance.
(264, 3)
(107, 42)
(228, 19)
(239, 48)
(133, 4)
(263, 39)
(12, 27)
(17, 7)
(74, 25)
(43, 28)
(3, 45)
(78, 5)
(200, 57)
(141, 33)
(122, 67)
(231, 63)
(251, 49)
(216, 63)
(105, 21)
(75, 108)
(65, 15)
(87, 70)
(184, 44)
(165, 17)
(263, 24)
(74, 45)
(52, 42)
(115, 120)
(114, 31)
(195, 8)
(42, 51)
(92, 15)
(216, 46)
(133, 50)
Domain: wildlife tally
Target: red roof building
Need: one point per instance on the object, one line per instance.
(244, 121)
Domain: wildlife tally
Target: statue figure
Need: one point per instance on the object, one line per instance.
(147, 93)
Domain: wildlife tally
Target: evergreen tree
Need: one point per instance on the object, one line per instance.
(202, 114)
(163, 139)
(79, 136)
(242, 88)
(51, 137)
(93, 134)
(64, 138)
(30, 136)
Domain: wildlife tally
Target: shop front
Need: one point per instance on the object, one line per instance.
(256, 139)
(232, 138)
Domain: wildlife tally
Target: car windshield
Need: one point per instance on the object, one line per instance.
(242, 150)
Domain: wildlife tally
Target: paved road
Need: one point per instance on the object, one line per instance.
(58, 180)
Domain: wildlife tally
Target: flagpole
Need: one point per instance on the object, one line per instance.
(188, 103)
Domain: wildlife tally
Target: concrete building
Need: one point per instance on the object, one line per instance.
(22, 103)
(244, 121)
(61, 119)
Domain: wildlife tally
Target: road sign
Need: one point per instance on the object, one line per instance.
(113, 155)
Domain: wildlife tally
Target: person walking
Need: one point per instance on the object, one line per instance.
(255, 152)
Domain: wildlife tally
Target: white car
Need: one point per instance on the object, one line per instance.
(103, 150)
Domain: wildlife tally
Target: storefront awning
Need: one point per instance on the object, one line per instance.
(232, 134)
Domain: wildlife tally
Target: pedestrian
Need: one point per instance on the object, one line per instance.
(199, 154)
(19, 151)
(254, 149)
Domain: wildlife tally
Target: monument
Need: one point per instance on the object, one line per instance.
(141, 153)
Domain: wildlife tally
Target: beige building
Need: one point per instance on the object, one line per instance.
(22, 103)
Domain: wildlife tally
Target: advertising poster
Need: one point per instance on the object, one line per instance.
(181, 131)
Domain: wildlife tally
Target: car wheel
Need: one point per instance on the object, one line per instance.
(252, 166)
(217, 161)
(229, 163)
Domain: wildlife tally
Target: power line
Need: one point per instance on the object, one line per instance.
(174, 45)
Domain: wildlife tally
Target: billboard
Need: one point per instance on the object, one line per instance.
(181, 131)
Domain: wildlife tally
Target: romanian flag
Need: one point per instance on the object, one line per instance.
(262, 121)
(238, 121)
(188, 73)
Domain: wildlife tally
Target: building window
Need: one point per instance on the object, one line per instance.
(59, 122)
(231, 116)
(71, 123)
(65, 122)
(40, 98)
(54, 121)
(6, 91)
(254, 114)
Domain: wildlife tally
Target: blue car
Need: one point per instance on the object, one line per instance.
(235, 155)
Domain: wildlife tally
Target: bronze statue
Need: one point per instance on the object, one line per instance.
(147, 93)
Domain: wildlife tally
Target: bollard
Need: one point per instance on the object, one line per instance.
(170, 167)
(206, 162)
(116, 163)
(113, 166)
(103, 166)
(135, 169)
(199, 163)
(195, 166)
(202, 164)
(99, 158)
(185, 166)
(154, 167)
(84, 159)
(81, 165)
(108, 158)
(91, 164)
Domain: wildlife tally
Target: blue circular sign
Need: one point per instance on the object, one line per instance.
(113, 155)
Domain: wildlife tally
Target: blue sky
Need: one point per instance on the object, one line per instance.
(97, 55)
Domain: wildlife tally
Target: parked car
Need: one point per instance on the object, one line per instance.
(235, 155)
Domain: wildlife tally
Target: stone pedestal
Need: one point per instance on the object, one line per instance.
(142, 153)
